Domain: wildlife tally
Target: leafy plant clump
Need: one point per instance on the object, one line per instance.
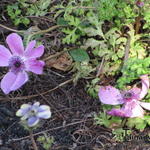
(19, 11)
(90, 26)
(46, 141)
(132, 70)
(102, 39)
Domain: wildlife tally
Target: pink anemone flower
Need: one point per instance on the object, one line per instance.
(139, 3)
(19, 61)
(132, 106)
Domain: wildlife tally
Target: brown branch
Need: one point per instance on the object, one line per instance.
(99, 70)
(137, 24)
(10, 29)
(46, 30)
(52, 129)
(41, 93)
(127, 49)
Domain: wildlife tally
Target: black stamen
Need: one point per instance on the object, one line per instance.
(17, 64)
(128, 95)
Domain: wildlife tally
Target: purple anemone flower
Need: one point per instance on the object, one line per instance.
(19, 61)
(132, 107)
(33, 113)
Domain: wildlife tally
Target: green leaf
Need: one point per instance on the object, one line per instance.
(79, 55)
(147, 119)
(138, 123)
(62, 21)
(25, 21)
(44, 4)
(91, 42)
(17, 21)
(17, 12)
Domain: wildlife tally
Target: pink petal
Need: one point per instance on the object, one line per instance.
(145, 86)
(30, 46)
(145, 105)
(15, 43)
(136, 91)
(130, 109)
(35, 53)
(133, 109)
(12, 82)
(110, 95)
(35, 66)
(4, 56)
(117, 112)
(21, 79)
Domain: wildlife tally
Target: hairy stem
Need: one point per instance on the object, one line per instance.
(127, 49)
(33, 141)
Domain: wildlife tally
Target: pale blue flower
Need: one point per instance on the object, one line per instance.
(33, 113)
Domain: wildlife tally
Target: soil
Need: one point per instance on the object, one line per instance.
(72, 125)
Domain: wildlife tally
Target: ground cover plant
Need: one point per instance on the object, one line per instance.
(74, 74)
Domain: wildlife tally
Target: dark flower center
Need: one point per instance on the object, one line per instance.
(16, 64)
(128, 95)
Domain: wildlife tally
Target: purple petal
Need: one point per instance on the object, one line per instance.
(21, 79)
(15, 43)
(32, 121)
(145, 86)
(4, 56)
(30, 46)
(110, 95)
(35, 66)
(145, 105)
(35, 53)
(7, 82)
(117, 112)
(12, 82)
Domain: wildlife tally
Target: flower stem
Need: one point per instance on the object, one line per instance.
(123, 122)
(42, 32)
(33, 141)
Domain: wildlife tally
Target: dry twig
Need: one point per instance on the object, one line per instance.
(52, 129)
